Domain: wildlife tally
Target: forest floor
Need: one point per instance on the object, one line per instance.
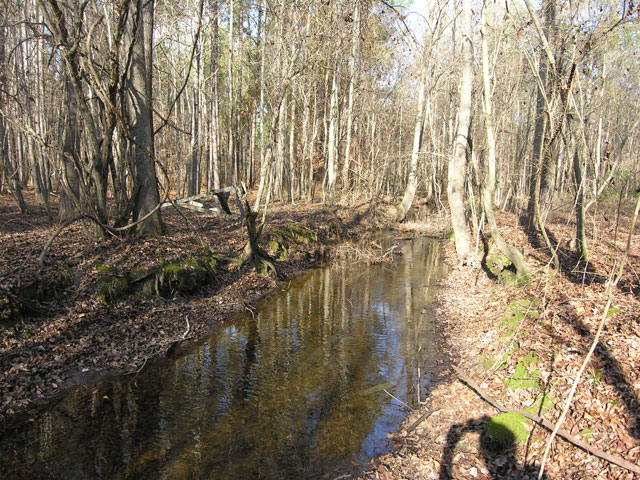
(521, 345)
(55, 330)
(524, 345)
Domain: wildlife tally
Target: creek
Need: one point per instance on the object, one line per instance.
(307, 386)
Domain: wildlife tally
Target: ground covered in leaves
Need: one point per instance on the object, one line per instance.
(86, 313)
(523, 347)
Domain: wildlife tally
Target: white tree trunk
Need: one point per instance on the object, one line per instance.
(458, 161)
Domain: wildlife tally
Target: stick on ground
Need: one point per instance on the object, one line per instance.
(549, 426)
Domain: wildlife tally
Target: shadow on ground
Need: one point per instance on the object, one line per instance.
(499, 459)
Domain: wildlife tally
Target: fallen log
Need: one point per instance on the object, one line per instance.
(220, 196)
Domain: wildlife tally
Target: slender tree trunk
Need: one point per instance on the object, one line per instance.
(231, 129)
(488, 191)
(332, 143)
(542, 161)
(355, 41)
(10, 172)
(581, 237)
(412, 183)
(458, 161)
(292, 150)
(239, 165)
(214, 136)
(263, 162)
(194, 165)
(69, 205)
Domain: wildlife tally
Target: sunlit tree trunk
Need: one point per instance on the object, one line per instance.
(458, 161)
(332, 142)
(69, 204)
(412, 183)
(355, 41)
(581, 237)
(542, 161)
(263, 157)
(488, 190)
(292, 149)
(231, 147)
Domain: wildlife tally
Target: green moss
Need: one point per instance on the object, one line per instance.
(587, 433)
(525, 376)
(503, 269)
(172, 268)
(497, 262)
(283, 240)
(176, 276)
(100, 267)
(514, 314)
(111, 287)
(505, 430)
(543, 403)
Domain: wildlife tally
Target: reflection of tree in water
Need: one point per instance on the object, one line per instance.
(270, 396)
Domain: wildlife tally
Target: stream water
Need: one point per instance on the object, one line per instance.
(300, 389)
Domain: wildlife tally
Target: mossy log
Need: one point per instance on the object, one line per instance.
(174, 277)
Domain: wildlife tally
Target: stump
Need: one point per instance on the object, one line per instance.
(252, 252)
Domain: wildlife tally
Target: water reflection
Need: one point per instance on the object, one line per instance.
(297, 390)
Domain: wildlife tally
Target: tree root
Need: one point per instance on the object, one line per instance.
(253, 254)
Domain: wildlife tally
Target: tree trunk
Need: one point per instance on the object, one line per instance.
(148, 197)
(412, 183)
(10, 173)
(458, 161)
(253, 254)
(69, 205)
(214, 136)
(523, 270)
(194, 165)
(292, 149)
(581, 237)
(542, 160)
(355, 41)
(231, 129)
(332, 142)
(263, 164)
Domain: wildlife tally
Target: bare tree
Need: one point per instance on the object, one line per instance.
(458, 161)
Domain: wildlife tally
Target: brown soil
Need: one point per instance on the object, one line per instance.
(447, 443)
(65, 336)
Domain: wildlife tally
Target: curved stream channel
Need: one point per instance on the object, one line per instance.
(300, 389)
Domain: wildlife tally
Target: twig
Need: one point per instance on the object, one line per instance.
(549, 426)
(398, 400)
(143, 364)
(422, 418)
(186, 332)
(59, 230)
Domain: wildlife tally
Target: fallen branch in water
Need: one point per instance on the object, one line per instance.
(549, 426)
